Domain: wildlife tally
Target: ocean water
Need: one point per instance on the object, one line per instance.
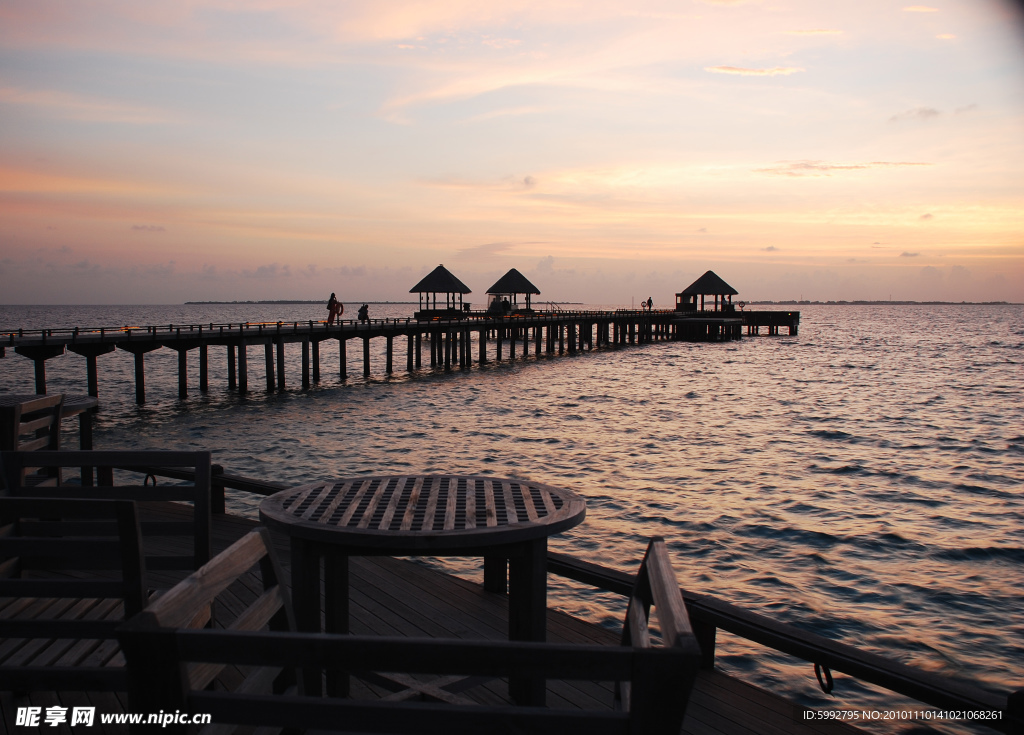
(863, 480)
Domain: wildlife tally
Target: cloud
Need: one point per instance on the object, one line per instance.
(271, 270)
(83, 108)
(770, 249)
(965, 108)
(493, 248)
(703, 229)
(917, 113)
(745, 72)
(926, 216)
(920, 9)
(148, 228)
(822, 168)
(815, 32)
(905, 254)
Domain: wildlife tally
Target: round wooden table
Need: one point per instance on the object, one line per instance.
(423, 515)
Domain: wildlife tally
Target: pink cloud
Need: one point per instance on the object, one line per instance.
(745, 72)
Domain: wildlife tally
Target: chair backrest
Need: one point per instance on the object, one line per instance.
(70, 573)
(161, 554)
(29, 426)
(164, 661)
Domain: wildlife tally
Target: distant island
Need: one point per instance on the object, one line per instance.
(886, 303)
(350, 301)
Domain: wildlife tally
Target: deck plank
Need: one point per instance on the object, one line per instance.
(402, 597)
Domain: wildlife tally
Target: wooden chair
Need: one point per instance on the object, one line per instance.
(162, 554)
(70, 573)
(29, 426)
(170, 666)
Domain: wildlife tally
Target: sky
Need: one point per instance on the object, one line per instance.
(609, 150)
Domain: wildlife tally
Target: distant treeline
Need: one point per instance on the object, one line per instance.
(291, 301)
(890, 303)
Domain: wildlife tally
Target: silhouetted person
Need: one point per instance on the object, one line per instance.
(364, 313)
(506, 306)
(334, 309)
(650, 304)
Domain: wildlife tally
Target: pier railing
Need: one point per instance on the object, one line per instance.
(709, 614)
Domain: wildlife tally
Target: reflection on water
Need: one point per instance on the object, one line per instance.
(862, 480)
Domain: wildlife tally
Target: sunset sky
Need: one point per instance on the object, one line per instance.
(275, 149)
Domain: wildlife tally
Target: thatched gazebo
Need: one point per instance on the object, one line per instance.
(707, 285)
(508, 287)
(440, 281)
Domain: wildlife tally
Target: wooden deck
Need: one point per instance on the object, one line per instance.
(398, 597)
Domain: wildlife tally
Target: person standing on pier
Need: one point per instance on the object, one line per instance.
(364, 313)
(334, 309)
(650, 303)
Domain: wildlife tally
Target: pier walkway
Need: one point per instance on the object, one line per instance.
(399, 597)
(453, 343)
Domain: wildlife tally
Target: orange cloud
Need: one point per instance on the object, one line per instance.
(78, 107)
(742, 71)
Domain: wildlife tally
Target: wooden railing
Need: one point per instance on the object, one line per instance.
(708, 614)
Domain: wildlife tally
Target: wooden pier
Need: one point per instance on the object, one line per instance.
(453, 343)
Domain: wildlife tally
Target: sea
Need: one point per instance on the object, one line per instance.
(863, 480)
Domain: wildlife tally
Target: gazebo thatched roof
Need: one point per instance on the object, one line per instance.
(513, 282)
(709, 284)
(440, 280)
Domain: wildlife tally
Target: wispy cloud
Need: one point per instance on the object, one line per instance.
(965, 108)
(80, 107)
(148, 228)
(770, 249)
(927, 216)
(745, 72)
(905, 254)
(823, 168)
(917, 113)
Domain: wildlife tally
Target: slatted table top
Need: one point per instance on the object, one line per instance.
(423, 512)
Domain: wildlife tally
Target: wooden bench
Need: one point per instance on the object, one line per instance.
(170, 665)
(70, 573)
(31, 425)
(160, 556)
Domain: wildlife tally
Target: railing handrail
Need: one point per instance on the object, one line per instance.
(932, 689)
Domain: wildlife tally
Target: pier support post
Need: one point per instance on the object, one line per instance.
(316, 360)
(90, 353)
(447, 350)
(204, 368)
(482, 336)
(39, 355)
(409, 361)
(388, 364)
(280, 364)
(342, 358)
(366, 357)
(243, 369)
(268, 356)
(139, 350)
(526, 342)
(537, 330)
(498, 344)
(419, 350)
(182, 372)
(305, 363)
(231, 368)
(561, 338)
